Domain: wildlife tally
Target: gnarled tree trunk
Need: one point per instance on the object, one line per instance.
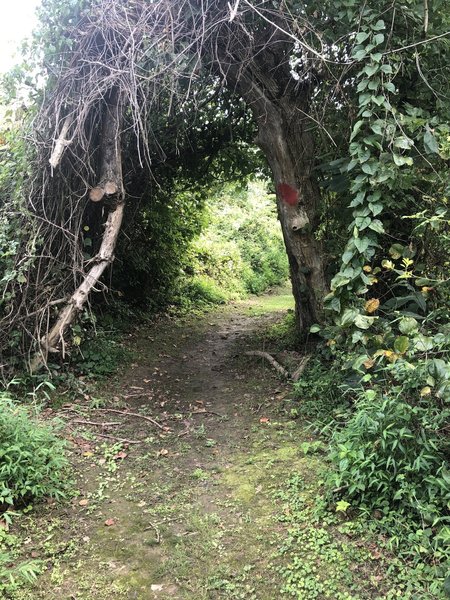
(262, 76)
(289, 150)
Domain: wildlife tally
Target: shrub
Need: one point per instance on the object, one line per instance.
(202, 289)
(320, 395)
(32, 458)
(391, 455)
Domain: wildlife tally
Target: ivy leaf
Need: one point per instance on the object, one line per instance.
(430, 143)
(370, 168)
(356, 127)
(408, 325)
(363, 222)
(377, 226)
(360, 54)
(364, 322)
(400, 160)
(376, 208)
(378, 25)
(377, 127)
(378, 39)
(361, 37)
(370, 70)
(372, 305)
(403, 142)
(401, 344)
(362, 244)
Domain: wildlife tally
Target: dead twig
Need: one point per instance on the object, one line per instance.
(275, 364)
(95, 423)
(301, 367)
(156, 530)
(132, 414)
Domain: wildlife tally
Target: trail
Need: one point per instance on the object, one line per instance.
(190, 509)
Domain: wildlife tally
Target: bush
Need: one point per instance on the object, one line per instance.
(320, 395)
(391, 456)
(32, 458)
(202, 289)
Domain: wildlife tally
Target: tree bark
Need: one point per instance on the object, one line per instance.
(111, 182)
(289, 150)
(258, 67)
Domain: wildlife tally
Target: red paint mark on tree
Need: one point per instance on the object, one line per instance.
(288, 194)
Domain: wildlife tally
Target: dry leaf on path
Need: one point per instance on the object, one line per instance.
(120, 454)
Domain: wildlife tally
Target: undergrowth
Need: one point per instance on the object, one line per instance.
(340, 554)
(33, 466)
(389, 470)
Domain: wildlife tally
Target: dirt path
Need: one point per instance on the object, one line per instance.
(200, 507)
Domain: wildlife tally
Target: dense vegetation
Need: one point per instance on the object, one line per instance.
(374, 81)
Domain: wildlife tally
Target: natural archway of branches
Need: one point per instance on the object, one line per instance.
(129, 80)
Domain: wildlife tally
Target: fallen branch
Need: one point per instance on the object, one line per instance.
(132, 414)
(275, 364)
(295, 376)
(301, 367)
(95, 423)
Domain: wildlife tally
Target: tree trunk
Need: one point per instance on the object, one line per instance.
(258, 67)
(289, 150)
(111, 188)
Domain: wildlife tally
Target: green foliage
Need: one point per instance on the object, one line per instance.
(32, 458)
(240, 250)
(99, 354)
(391, 456)
(319, 395)
(321, 558)
(13, 575)
(388, 308)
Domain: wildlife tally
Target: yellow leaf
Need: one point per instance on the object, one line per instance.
(426, 391)
(387, 264)
(369, 363)
(372, 305)
(391, 355)
(367, 269)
